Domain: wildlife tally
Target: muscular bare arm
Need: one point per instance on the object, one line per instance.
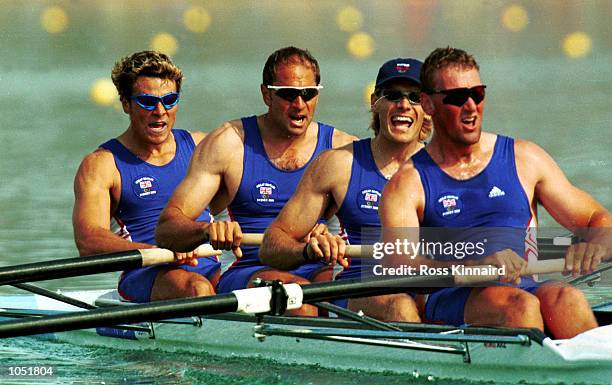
(177, 228)
(322, 186)
(401, 203)
(570, 206)
(198, 136)
(96, 179)
(341, 139)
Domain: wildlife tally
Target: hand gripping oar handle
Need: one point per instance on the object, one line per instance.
(156, 256)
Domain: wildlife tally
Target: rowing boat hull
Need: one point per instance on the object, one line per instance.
(539, 360)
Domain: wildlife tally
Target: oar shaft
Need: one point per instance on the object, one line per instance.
(221, 303)
(118, 315)
(103, 263)
(53, 295)
(70, 267)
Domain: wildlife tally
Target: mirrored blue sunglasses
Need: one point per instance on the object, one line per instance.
(149, 102)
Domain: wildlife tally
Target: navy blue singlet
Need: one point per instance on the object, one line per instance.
(265, 189)
(358, 213)
(491, 205)
(146, 188)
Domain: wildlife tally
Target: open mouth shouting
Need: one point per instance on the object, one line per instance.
(297, 120)
(469, 122)
(158, 126)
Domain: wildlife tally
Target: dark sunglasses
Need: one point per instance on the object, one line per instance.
(458, 96)
(289, 93)
(395, 96)
(149, 102)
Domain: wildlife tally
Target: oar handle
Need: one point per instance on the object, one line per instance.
(155, 256)
(536, 267)
(359, 251)
(256, 239)
(251, 239)
(546, 266)
(365, 251)
(207, 250)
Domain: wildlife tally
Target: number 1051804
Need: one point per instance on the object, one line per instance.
(26, 371)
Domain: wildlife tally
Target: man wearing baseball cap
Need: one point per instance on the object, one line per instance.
(348, 182)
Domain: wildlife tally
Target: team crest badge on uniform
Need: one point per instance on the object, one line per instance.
(265, 192)
(369, 199)
(145, 187)
(449, 205)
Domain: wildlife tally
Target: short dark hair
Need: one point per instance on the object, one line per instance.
(288, 55)
(144, 63)
(441, 58)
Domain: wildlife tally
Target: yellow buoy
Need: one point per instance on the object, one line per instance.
(367, 91)
(196, 19)
(54, 19)
(164, 42)
(577, 44)
(360, 45)
(349, 19)
(515, 18)
(103, 92)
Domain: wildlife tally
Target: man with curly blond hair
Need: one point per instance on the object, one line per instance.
(128, 180)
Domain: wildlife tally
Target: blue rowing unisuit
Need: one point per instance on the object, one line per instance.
(263, 191)
(491, 206)
(358, 213)
(146, 188)
(359, 209)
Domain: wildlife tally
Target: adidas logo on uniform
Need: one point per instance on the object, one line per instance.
(496, 192)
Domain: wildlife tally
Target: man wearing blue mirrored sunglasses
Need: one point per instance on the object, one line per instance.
(128, 180)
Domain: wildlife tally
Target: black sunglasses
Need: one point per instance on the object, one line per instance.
(458, 96)
(395, 96)
(149, 102)
(289, 93)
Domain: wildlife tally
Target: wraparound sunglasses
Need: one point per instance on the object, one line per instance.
(290, 93)
(149, 102)
(458, 96)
